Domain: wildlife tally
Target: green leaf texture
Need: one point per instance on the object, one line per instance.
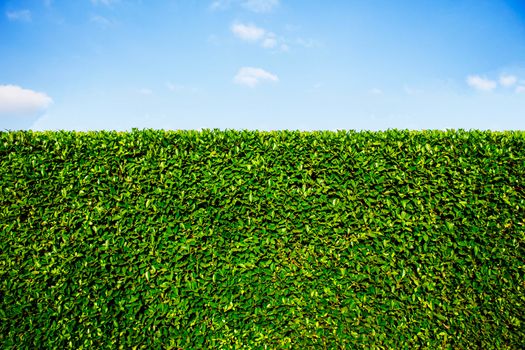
(154, 239)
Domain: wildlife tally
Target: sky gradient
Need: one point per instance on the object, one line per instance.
(262, 64)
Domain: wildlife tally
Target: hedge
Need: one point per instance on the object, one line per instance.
(154, 239)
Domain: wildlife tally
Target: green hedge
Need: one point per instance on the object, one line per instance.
(247, 239)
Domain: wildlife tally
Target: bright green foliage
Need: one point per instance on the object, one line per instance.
(246, 239)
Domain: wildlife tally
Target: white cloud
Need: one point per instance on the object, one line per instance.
(480, 83)
(251, 77)
(248, 32)
(507, 80)
(260, 5)
(22, 15)
(375, 91)
(252, 33)
(16, 101)
(269, 42)
(520, 89)
(145, 92)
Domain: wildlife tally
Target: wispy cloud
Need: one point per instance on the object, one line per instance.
(315, 88)
(220, 4)
(507, 80)
(21, 15)
(145, 91)
(412, 91)
(101, 21)
(248, 32)
(252, 33)
(480, 83)
(375, 91)
(173, 87)
(520, 89)
(180, 88)
(258, 6)
(307, 43)
(16, 101)
(251, 77)
(267, 39)
(270, 41)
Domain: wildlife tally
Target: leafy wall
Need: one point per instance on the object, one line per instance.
(241, 239)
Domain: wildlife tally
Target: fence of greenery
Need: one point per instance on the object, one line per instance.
(249, 239)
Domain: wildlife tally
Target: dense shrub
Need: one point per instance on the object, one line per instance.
(156, 239)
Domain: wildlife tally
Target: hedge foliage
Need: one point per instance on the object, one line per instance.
(247, 239)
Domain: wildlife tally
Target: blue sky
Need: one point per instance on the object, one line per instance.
(262, 64)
